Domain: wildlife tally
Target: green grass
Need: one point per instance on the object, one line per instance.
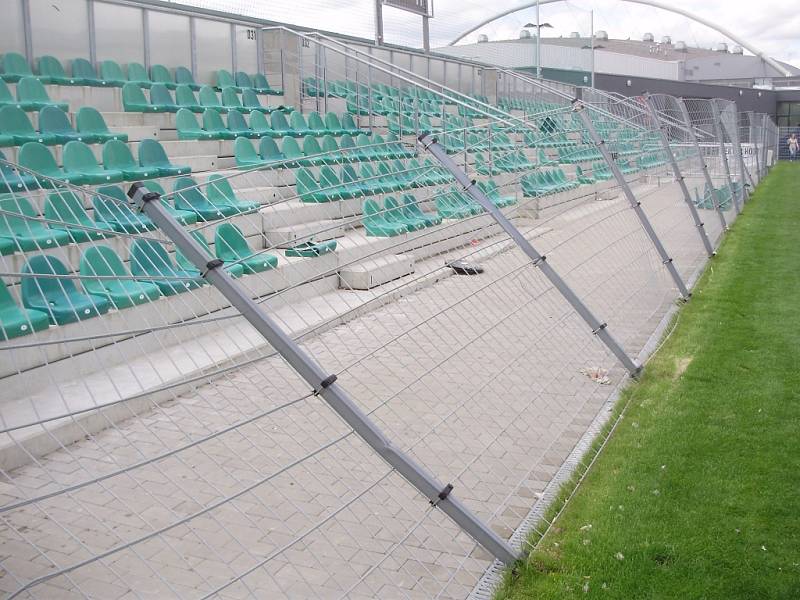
(697, 494)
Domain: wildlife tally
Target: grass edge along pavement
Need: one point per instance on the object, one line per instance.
(697, 491)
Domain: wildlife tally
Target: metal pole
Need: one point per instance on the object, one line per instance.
(753, 135)
(426, 33)
(580, 109)
(723, 156)
(591, 41)
(538, 260)
(706, 175)
(322, 383)
(538, 43)
(378, 22)
(679, 176)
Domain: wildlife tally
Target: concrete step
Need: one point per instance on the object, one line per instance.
(371, 273)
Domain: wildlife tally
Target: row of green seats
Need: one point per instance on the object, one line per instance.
(583, 178)
(546, 181)
(13, 180)
(542, 139)
(81, 166)
(54, 127)
(485, 139)
(578, 154)
(601, 171)
(314, 152)
(242, 81)
(161, 100)
(509, 162)
(457, 204)
(649, 161)
(713, 197)
(31, 95)
(394, 217)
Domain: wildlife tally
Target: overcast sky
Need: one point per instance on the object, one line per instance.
(771, 25)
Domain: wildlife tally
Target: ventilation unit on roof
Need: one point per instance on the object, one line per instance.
(483, 38)
(680, 46)
(648, 37)
(737, 50)
(721, 47)
(574, 34)
(600, 34)
(666, 40)
(524, 34)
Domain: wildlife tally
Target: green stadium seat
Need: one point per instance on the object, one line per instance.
(298, 124)
(58, 297)
(111, 208)
(84, 71)
(183, 217)
(52, 71)
(117, 155)
(23, 227)
(15, 321)
(251, 103)
(245, 154)
(5, 95)
(124, 292)
(14, 67)
(150, 259)
(231, 246)
(312, 152)
(187, 265)
(54, 121)
(183, 76)
(395, 213)
(7, 246)
(152, 155)
(293, 154)
(377, 225)
(269, 152)
(67, 208)
(79, 159)
(311, 249)
(230, 100)
(331, 149)
(212, 123)
(259, 124)
(225, 79)
(220, 193)
(185, 98)
(12, 180)
(138, 74)
(317, 125)
(161, 97)
(16, 129)
(243, 80)
(91, 123)
(160, 74)
(190, 198)
(209, 99)
(449, 208)
(349, 125)
(134, 100)
(261, 85)
(280, 125)
(40, 161)
(238, 126)
(492, 192)
(333, 125)
(111, 74)
(188, 127)
(411, 208)
(31, 95)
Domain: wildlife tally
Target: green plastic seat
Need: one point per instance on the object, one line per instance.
(150, 259)
(188, 127)
(7, 246)
(153, 156)
(298, 124)
(311, 249)
(312, 152)
(281, 126)
(79, 159)
(32, 95)
(349, 125)
(225, 79)
(57, 297)
(124, 292)
(251, 103)
(15, 321)
(5, 95)
(231, 246)
(292, 153)
(377, 225)
(184, 263)
(185, 98)
(160, 74)
(269, 152)
(333, 125)
(212, 123)
(117, 155)
(220, 193)
(52, 71)
(262, 86)
(54, 121)
(134, 100)
(208, 99)
(190, 198)
(183, 76)
(14, 124)
(161, 97)
(138, 74)
(238, 126)
(449, 208)
(182, 216)
(230, 100)
(24, 229)
(394, 213)
(67, 208)
(12, 180)
(84, 71)
(13, 67)
(111, 208)
(259, 124)
(410, 208)
(243, 80)
(111, 74)
(90, 122)
(245, 154)
(40, 161)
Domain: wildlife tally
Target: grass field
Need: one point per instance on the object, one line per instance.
(697, 494)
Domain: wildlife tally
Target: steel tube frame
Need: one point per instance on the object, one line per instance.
(580, 109)
(322, 383)
(687, 197)
(722, 154)
(538, 260)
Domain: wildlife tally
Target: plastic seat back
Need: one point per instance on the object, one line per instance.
(138, 74)
(186, 123)
(184, 96)
(89, 120)
(133, 98)
(149, 257)
(152, 153)
(311, 146)
(54, 120)
(183, 76)
(259, 123)
(212, 121)
(260, 82)
(52, 71)
(230, 244)
(79, 158)
(244, 152)
(14, 67)
(225, 79)
(230, 98)
(160, 74)
(316, 123)
(161, 96)
(279, 123)
(117, 155)
(243, 80)
(208, 97)
(83, 70)
(236, 123)
(112, 72)
(268, 149)
(250, 99)
(291, 149)
(37, 158)
(14, 121)
(30, 89)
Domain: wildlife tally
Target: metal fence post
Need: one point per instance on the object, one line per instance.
(723, 155)
(599, 329)
(704, 166)
(321, 382)
(679, 176)
(580, 109)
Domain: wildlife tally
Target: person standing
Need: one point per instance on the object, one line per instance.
(794, 146)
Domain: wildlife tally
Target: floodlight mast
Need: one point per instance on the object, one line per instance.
(744, 44)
